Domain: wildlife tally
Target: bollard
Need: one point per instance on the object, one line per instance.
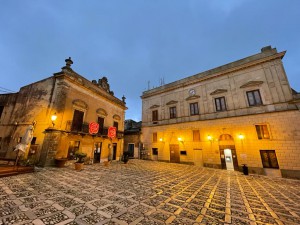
(245, 169)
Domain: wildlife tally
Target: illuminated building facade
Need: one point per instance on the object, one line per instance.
(244, 112)
(63, 107)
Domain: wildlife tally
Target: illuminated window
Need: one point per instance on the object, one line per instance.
(269, 159)
(173, 112)
(254, 98)
(194, 109)
(220, 104)
(262, 132)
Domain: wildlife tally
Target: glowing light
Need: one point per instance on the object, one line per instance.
(241, 136)
(179, 139)
(53, 118)
(209, 137)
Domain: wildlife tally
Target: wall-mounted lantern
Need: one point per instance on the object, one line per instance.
(241, 137)
(53, 118)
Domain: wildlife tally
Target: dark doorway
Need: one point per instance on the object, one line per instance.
(234, 156)
(174, 154)
(131, 150)
(114, 151)
(97, 152)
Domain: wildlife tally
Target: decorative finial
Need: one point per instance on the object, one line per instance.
(123, 99)
(69, 62)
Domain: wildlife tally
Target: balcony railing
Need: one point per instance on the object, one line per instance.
(84, 129)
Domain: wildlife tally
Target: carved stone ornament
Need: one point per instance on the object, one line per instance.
(79, 103)
(251, 84)
(154, 106)
(101, 112)
(116, 117)
(218, 91)
(171, 102)
(192, 97)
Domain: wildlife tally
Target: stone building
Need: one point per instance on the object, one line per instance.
(132, 138)
(244, 112)
(73, 103)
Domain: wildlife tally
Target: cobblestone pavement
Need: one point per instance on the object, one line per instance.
(145, 192)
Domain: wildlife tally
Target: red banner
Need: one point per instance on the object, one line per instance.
(112, 132)
(93, 128)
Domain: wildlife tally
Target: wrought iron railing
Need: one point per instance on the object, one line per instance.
(84, 129)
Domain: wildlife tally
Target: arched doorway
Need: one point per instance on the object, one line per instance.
(228, 154)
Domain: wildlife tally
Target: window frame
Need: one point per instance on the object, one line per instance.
(173, 112)
(218, 104)
(196, 135)
(272, 162)
(260, 131)
(194, 109)
(154, 137)
(255, 100)
(155, 115)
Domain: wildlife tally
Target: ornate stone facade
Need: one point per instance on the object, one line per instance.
(244, 112)
(76, 102)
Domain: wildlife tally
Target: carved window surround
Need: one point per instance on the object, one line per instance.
(218, 91)
(192, 97)
(251, 84)
(172, 102)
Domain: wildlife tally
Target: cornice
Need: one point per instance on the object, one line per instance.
(214, 73)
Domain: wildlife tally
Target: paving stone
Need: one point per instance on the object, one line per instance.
(147, 192)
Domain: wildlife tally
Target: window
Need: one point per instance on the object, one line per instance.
(155, 115)
(77, 121)
(183, 152)
(154, 137)
(254, 98)
(194, 110)
(116, 125)
(1, 110)
(154, 151)
(196, 135)
(220, 104)
(269, 159)
(101, 125)
(33, 141)
(173, 112)
(262, 131)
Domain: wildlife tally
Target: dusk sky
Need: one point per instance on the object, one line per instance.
(132, 42)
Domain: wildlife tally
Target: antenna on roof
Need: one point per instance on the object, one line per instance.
(148, 85)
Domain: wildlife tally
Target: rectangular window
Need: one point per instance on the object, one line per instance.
(101, 125)
(116, 125)
(183, 152)
(1, 110)
(77, 121)
(154, 137)
(220, 104)
(154, 151)
(196, 135)
(155, 115)
(254, 98)
(173, 112)
(194, 109)
(269, 159)
(262, 132)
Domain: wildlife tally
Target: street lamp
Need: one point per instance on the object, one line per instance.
(53, 118)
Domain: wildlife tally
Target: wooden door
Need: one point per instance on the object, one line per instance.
(174, 154)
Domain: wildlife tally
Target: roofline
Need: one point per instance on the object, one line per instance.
(216, 72)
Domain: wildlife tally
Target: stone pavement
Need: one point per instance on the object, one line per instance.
(145, 192)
